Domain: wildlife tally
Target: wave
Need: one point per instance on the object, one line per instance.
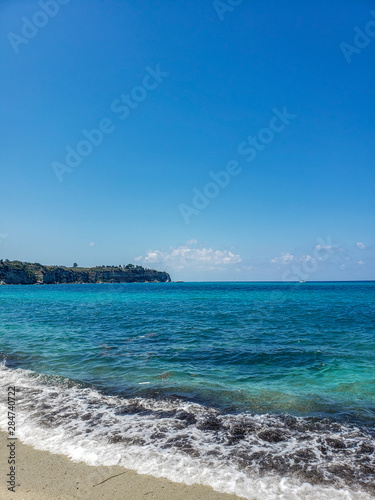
(254, 456)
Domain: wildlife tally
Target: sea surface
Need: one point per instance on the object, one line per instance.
(266, 390)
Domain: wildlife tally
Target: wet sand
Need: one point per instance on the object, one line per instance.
(41, 475)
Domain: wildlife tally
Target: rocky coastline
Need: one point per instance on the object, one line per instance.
(26, 273)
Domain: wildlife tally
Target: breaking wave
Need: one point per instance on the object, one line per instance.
(254, 456)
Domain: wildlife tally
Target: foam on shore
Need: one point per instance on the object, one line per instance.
(266, 457)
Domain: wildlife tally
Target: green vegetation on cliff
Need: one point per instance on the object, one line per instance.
(24, 273)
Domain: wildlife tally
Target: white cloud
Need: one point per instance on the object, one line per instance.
(285, 258)
(360, 262)
(91, 244)
(307, 258)
(193, 241)
(323, 247)
(186, 257)
(360, 245)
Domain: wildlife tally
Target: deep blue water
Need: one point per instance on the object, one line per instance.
(240, 350)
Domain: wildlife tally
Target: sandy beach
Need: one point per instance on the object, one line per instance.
(45, 476)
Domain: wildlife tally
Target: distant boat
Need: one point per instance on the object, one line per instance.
(178, 281)
(302, 281)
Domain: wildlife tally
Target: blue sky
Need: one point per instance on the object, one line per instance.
(183, 90)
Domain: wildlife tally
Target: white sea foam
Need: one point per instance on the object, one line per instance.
(181, 441)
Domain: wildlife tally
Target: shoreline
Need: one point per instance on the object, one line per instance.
(41, 475)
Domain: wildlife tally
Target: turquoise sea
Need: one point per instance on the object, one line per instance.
(266, 390)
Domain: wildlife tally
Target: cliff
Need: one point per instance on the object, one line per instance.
(23, 273)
